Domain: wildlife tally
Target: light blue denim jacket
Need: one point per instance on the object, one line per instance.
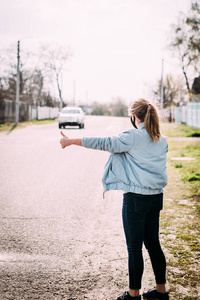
(137, 164)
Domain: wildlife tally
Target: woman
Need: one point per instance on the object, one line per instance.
(137, 166)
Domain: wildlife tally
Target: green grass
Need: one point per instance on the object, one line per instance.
(179, 130)
(180, 165)
(192, 177)
(180, 238)
(11, 126)
(42, 122)
(189, 169)
(180, 219)
(198, 209)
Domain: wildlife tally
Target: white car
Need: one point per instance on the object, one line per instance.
(71, 116)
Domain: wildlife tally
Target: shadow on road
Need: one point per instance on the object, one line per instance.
(13, 127)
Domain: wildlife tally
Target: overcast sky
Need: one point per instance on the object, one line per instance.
(118, 45)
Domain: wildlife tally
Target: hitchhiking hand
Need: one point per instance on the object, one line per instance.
(63, 134)
(64, 141)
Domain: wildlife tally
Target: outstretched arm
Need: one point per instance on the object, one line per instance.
(65, 141)
(116, 144)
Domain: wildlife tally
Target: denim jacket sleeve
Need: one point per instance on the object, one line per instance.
(116, 144)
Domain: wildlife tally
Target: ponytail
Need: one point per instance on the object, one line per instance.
(147, 113)
(151, 123)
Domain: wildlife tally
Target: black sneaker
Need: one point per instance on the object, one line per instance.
(153, 294)
(126, 296)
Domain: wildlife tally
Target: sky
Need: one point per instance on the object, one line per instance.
(118, 45)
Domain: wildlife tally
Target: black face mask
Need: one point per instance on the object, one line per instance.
(133, 122)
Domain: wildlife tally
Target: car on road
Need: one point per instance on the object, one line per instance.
(71, 116)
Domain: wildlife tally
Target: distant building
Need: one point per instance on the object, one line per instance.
(196, 90)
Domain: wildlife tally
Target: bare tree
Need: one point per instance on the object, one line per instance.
(54, 60)
(186, 42)
(37, 72)
(9, 75)
(118, 107)
(173, 91)
(100, 109)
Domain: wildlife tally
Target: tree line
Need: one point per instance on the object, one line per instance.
(37, 73)
(40, 71)
(116, 108)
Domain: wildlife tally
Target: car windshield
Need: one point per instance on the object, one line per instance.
(71, 111)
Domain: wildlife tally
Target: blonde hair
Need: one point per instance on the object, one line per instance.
(147, 113)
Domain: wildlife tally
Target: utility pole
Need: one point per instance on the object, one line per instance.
(86, 97)
(61, 92)
(17, 85)
(74, 92)
(161, 89)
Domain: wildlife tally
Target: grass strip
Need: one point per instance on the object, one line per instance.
(180, 221)
(179, 130)
(11, 126)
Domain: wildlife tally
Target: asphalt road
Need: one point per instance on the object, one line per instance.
(59, 238)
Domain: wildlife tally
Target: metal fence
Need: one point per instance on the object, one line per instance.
(27, 112)
(44, 112)
(188, 114)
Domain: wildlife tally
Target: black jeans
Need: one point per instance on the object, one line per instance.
(141, 225)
